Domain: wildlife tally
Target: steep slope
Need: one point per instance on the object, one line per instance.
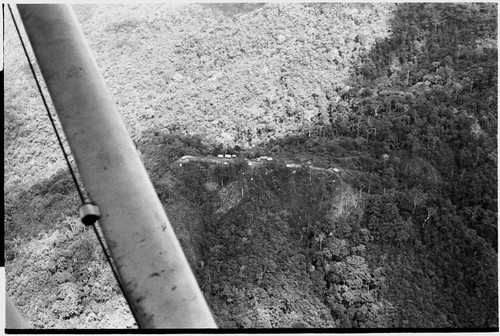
(267, 243)
(402, 99)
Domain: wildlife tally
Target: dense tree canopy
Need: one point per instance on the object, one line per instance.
(387, 217)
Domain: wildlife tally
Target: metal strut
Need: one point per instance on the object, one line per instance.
(156, 275)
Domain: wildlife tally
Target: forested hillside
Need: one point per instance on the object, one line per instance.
(401, 99)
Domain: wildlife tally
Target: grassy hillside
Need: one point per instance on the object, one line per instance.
(401, 99)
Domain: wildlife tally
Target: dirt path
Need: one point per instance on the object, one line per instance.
(259, 162)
